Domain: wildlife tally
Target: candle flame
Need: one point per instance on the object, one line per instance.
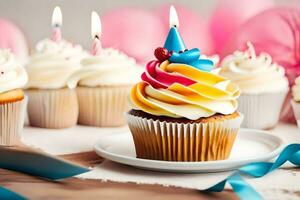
(173, 19)
(95, 25)
(56, 17)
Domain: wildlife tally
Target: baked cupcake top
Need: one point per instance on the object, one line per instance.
(12, 74)
(296, 90)
(254, 74)
(52, 63)
(110, 68)
(181, 85)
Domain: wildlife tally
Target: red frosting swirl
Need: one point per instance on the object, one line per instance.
(159, 78)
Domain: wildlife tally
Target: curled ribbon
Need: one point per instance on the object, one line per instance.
(192, 57)
(52, 168)
(290, 153)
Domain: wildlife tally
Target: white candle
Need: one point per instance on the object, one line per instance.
(96, 33)
(56, 23)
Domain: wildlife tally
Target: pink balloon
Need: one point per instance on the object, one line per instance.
(192, 28)
(135, 31)
(229, 15)
(11, 37)
(275, 31)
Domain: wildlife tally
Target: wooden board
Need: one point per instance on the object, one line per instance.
(73, 188)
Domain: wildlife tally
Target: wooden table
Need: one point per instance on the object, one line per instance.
(74, 188)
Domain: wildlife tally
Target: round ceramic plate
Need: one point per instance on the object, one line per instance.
(250, 146)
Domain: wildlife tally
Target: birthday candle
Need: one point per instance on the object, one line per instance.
(56, 23)
(96, 32)
(174, 42)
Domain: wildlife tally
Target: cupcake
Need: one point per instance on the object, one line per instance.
(182, 111)
(263, 85)
(104, 82)
(51, 103)
(13, 77)
(296, 100)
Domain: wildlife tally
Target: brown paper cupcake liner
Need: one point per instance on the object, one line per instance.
(12, 117)
(169, 141)
(57, 108)
(103, 106)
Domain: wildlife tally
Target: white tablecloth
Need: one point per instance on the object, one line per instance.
(81, 139)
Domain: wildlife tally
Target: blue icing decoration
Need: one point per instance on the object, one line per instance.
(192, 57)
(174, 42)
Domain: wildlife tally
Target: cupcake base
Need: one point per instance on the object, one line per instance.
(261, 111)
(163, 138)
(103, 106)
(12, 117)
(296, 110)
(57, 108)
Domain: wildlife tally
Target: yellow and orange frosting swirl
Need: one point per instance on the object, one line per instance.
(183, 91)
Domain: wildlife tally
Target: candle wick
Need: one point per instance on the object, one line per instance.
(56, 26)
(175, 26)
(97, 37)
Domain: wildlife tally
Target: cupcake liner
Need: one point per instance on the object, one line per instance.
(170, 141)
(11, 122)
(57, 108)
(103, 106)
(296, 109)
(261, 111)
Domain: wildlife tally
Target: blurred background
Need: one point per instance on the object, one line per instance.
(34, 16)
(138, 27)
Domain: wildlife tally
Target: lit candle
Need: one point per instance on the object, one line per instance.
(174, 41)
(56, 23)
(96, 32)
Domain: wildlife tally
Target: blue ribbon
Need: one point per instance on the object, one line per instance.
(290, 153)
(192, 57)
(51, 168)
(6, 194)
(36, 164)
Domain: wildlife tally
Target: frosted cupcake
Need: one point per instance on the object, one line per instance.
(296, 100)
(181, 110)
(51, 103)
(13, 78)
(263, 85)
(104, 82)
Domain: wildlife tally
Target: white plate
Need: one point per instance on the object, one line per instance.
(250, 146)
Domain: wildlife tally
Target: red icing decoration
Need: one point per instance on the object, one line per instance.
(162, 54)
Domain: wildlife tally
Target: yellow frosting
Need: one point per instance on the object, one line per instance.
(210, 94)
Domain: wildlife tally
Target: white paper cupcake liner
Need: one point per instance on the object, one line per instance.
(296, 109)
(261, 111)
(57, 108)
(103, 106)
(169, 141)
(12, 117)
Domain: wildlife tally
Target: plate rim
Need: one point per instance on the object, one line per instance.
(141, 163)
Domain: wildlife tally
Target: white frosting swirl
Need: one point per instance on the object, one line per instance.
(254, 74)
(110, 67)
(52, 64)
(12, 74)
(296, 89)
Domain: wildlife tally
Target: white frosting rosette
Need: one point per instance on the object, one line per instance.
(12, 74)
(110, 68)
(263, 85)
(52, 63)
(254, 74)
